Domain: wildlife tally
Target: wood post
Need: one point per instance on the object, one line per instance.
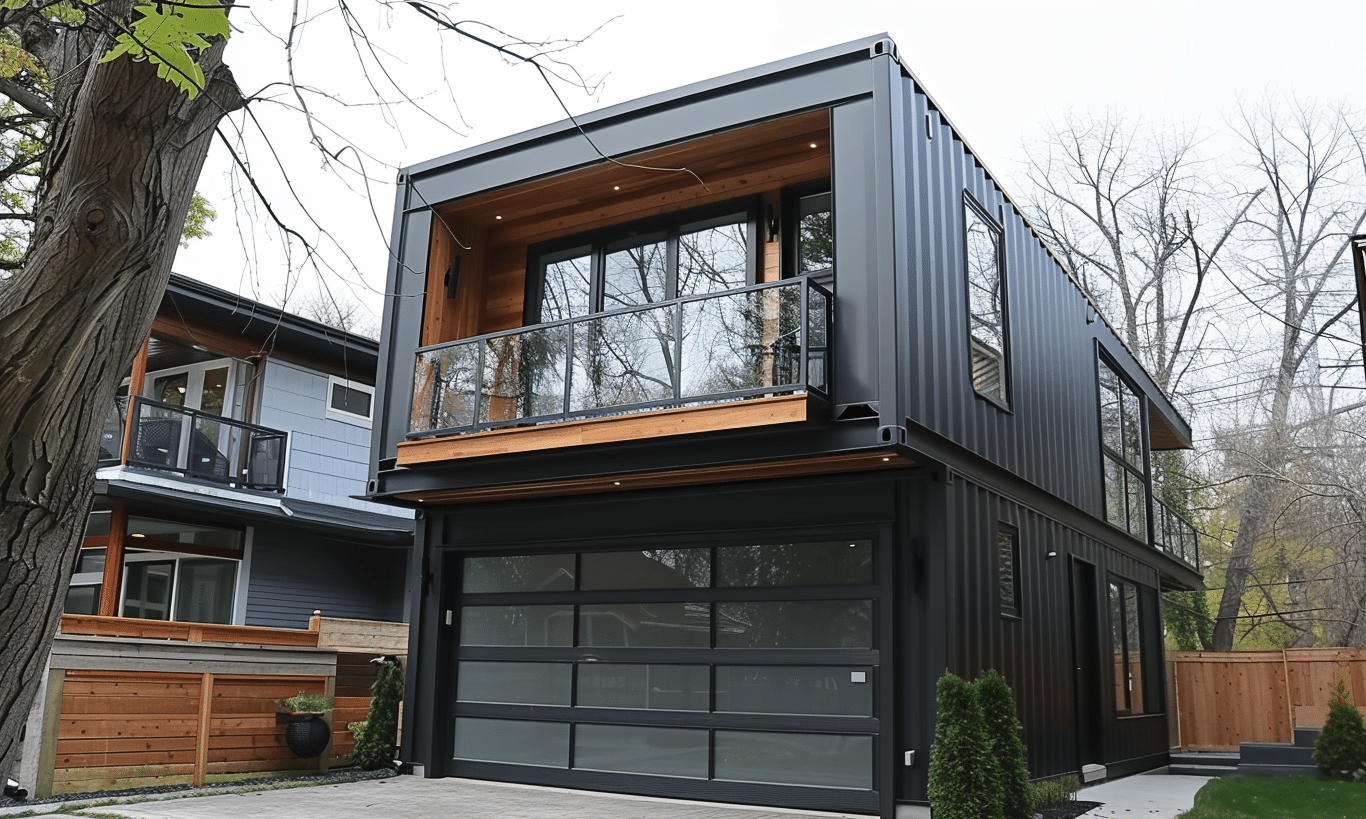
(52, 723)
(135, 383)
(113, 561)
(201, 753)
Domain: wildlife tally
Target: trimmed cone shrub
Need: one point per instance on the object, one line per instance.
(1003, 729)
(1340, 751)
(960, 787)
(375, 745)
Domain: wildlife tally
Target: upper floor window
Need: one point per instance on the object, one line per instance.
(1123, 453)
(815, 237)
(349, 401)
(986, 302)
(636, 266)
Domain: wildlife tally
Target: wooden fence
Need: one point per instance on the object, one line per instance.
(129, 703)
(1223, 699)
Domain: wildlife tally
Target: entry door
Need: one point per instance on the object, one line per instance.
(1086, 661)
(738, 673)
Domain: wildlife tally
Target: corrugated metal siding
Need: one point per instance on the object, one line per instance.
(1034, 651)
(293, 574)
(1049, 436)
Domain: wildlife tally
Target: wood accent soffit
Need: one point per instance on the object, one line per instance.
(785, 409)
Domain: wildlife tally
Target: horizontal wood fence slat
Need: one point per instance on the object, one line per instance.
(1223, 699)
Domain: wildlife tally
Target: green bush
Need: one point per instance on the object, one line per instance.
(357, 730)
(960, 786)
(1003, 728)
(1340, 751)
(1052, 792)
(375, 744)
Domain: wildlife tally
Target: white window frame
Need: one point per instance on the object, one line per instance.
(342, 415)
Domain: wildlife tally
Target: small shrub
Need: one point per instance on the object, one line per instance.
(1340, 751)
(1003, 729)
(375, 745)
(1052, 792)
(959, 784)
(357, 730)
(306, 703)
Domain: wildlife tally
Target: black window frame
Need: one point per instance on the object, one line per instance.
(792, 198)
(1138, 623)
(1002, 356)
(597, 244)
(1137, 524)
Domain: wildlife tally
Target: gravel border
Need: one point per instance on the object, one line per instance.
(181, 791)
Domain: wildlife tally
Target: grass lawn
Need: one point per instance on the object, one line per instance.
(1291, 797)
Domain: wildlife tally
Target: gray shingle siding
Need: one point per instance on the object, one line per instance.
(292, 574)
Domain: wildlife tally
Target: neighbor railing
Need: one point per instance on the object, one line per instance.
(210, 447)
(767, 339)
(1175, 535)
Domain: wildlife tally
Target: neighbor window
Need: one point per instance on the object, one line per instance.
(986, 302)
(1123, 453)
(349, 400)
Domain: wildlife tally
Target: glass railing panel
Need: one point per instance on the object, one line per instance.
(623, 358)
(524, 374)
(445, 387)
(207, 447)
(817, 339)
(741, 341)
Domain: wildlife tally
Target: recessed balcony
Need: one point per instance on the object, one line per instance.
(206, 447)
(712, 355)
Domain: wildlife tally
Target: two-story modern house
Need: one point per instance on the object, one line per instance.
(728, 446)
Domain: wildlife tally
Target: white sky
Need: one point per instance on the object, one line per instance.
(998, 69)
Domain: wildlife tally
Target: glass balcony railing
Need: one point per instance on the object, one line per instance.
(209, 447)
(768, 339)
(1175, 535)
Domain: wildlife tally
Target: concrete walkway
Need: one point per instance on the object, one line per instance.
(1149, 796)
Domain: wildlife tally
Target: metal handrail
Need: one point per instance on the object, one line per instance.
(1175, 535)
(202, 445)
(441, 375)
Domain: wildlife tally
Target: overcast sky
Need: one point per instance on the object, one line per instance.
(999, 70)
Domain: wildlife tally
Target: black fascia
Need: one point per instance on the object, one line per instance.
(201, 304)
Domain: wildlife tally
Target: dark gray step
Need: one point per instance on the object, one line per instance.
(1202, 770)
(1306, 737)
(1279, 770)
(1274, 753)
(1203, 758)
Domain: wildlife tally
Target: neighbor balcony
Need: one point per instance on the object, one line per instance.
(1175, 535)
(767, 342)
(203, 446)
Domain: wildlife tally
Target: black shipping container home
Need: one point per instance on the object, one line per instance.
(729, 446)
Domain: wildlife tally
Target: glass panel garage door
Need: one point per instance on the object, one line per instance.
(747, 664)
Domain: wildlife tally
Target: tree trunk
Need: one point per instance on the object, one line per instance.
(127, 149)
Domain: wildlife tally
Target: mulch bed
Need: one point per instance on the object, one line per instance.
(1067, 810)
(344, 775)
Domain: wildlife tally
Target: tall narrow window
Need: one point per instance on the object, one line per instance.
(1008, 570)
(1135, 688)
(1123, 453)
(986, 303)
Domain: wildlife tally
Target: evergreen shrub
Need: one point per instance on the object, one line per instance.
(1011, 789)
(375, 744)
(1340, 751)
(960, 785)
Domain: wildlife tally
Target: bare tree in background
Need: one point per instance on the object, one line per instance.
(1294, 274)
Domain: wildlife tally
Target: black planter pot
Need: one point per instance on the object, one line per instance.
(308, 737)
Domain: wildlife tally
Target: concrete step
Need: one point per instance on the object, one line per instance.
(1202, 764)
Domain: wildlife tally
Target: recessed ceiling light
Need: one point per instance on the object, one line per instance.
(813, 145)
(886, 459)
(616, 483)
(616, 187)
(497, 217)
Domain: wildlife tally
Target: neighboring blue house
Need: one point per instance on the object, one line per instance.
(226, 494)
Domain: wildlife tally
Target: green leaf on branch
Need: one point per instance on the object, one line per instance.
(170, 35)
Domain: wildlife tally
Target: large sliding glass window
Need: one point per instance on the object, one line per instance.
(770, 646)
(1123, 453)
(986, 295)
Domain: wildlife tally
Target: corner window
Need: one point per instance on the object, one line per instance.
(1008, 570)
(986, 303)
(349, 401)
(1132, 635)
(1123, 453)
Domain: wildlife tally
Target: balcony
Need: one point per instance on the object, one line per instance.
(1175, 535)
(206, 447)
(757, 342)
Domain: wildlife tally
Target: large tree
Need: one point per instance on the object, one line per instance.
(122, 150)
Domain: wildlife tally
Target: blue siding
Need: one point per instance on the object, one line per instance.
(293, 573)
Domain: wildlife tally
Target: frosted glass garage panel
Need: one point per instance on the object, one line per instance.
(647, 686)
(517, 626)
(795, 624)
(641, 749)
(825, 563)
(779, 689)
(646, 625)
(519, 573)
(822, 760)
(518, 742)
(515, 683)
